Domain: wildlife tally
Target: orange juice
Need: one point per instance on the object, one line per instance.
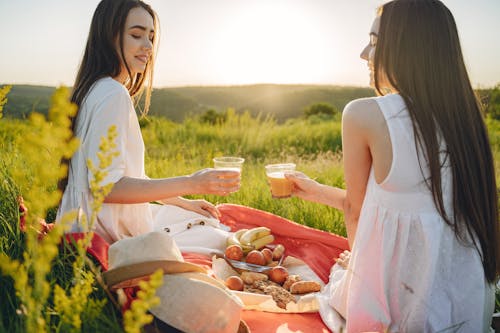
(280, 186)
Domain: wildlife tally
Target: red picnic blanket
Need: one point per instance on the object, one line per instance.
(318, 249)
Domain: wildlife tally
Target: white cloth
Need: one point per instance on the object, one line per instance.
(108, 103)
(407, 272)
(191, 231)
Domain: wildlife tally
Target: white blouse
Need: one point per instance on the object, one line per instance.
(107, 103)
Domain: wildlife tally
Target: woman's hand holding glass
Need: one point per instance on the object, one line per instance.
(303, 186)
(216, 181)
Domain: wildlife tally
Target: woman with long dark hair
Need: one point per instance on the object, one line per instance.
(116, 67)
(420, 204)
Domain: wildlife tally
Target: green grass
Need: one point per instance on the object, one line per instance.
(177, 149)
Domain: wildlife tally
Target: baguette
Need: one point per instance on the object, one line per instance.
(304, 287)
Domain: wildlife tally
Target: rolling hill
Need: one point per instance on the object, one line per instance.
(280, 101)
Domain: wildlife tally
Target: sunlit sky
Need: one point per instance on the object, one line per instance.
(224, 42)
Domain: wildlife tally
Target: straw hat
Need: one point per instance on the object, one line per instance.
(131, 259)
(191, 301)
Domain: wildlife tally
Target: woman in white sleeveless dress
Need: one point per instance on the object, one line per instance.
(420, 206)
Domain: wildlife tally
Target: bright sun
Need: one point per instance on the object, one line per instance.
(270, 43)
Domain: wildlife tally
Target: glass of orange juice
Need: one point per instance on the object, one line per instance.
(280, 186)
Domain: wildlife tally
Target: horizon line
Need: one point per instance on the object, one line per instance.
(207, 85)
(478, 86)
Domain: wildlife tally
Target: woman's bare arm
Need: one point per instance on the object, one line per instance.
(357, 133)
(207, 181)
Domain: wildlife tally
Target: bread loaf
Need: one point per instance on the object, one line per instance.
(304, 287)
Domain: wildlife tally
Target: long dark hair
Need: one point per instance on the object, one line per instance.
(418, 49)
(101, 57)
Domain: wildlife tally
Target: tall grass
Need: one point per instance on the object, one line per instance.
(47, 285)
(177, 149)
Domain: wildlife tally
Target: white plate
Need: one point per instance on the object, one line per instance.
(260, 302)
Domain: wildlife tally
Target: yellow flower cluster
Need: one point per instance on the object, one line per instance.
(70, 307)
(107, 151)
(3, 97)
(136, 317)
(47, 142)
(45, 306)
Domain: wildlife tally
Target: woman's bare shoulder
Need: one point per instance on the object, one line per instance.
(362, 111)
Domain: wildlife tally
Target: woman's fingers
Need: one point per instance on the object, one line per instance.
(225, 186)
(226, 181)
(202, 207)
(343, 259)
(211, 210)
(217, 181)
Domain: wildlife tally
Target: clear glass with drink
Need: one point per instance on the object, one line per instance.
(280, 186)
(228, 163)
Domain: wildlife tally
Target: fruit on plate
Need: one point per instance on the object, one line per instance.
(278, 274)
(234, 239)
(255, 257)
(234, 252)
(278, 252)
(235, 283)
(259, 243)
(268, 255)
(251, 239)
(253, 234)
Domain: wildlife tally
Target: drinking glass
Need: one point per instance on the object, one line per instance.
(229, 163)
(280, 186)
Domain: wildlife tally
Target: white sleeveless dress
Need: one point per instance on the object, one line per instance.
(407, 272)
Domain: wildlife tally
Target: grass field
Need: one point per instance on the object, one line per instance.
(178, 149)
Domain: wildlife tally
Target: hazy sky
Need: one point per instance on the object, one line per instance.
(221, 42)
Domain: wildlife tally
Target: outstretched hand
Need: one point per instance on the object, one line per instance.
(216, 181)
(303, 186)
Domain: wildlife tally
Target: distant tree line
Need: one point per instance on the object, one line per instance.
(278, 101)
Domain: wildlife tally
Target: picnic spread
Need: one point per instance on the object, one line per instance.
(308, 255)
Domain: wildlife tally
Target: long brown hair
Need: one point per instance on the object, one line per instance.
(418, 49)
(101, 58)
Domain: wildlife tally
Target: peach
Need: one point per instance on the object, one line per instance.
(234, 252)
(278, 274)
(278, 251)
(268, 255)
(255, 257)
(235, 283)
